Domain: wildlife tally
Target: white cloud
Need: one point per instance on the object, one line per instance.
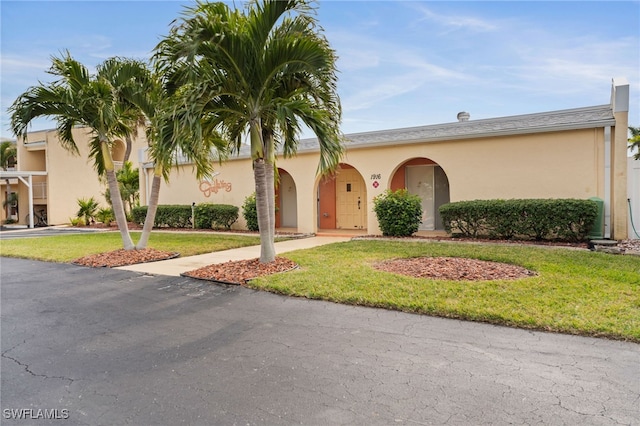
(453, 22)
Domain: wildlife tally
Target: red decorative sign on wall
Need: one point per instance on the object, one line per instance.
(208, 187)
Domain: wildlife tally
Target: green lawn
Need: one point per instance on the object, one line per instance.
(65, 248)
(577, 292)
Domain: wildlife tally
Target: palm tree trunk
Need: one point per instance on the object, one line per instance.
(127, 151)
(270, 175)
(116, 200)
(152, 207)
(271, 197)
(267, 248)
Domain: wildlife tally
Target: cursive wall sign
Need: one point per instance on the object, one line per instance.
(208, 187)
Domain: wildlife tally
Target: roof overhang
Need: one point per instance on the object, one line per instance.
(14, 175)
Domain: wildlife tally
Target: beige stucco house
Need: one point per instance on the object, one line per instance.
(575, 153)
(48, 179)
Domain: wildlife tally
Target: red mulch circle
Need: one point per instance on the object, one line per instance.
(241, 271)
(454, 268)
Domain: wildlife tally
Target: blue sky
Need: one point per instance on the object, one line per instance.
(402, 63)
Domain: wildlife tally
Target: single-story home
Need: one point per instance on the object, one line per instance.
(574, 153)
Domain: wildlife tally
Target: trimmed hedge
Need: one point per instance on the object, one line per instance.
(167, 216)
(215, 216)
(539, 219)
(208, 216)
(399, 213)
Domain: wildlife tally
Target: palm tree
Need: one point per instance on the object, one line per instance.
(161, 110)
(129, 183)
(634, 141)
(8, 153)
(87, 209)
(97, 102)
(265, 73)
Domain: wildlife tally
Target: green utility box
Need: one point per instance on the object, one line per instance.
(597, 231)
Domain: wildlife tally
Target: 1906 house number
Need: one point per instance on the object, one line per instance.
(376, 176)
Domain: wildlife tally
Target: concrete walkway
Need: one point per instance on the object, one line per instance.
(177, 266)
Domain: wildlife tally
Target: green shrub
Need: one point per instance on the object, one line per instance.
(138, 214)
(87, 209)
(250, 212)
(399, 213)
(215, 216)
(105, 216)
(465, 217)
(167, 216)
(539, 219)
(76, 221)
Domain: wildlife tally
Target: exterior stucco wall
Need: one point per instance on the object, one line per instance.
(633, 188)
(566, 164)
(69, 176)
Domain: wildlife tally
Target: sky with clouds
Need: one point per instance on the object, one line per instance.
(402, 63)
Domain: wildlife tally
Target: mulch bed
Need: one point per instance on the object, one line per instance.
(122, 257)
(241, 271)
(454, 268)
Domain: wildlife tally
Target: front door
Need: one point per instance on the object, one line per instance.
(351, 200)
(420, 182)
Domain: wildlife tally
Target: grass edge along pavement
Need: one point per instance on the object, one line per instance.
(66, 248)
(575, 292)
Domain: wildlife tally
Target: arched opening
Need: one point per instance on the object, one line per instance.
(342, 200)
(425, 178)
(286, 201)
(117, 153)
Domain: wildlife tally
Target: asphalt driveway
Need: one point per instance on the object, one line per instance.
(109, 347)
(49, 231)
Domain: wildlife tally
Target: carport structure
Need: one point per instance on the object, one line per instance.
(27, 179)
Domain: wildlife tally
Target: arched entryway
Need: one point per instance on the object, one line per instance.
(286, 201)
(118, 150)
(425, 178)
(342, 200)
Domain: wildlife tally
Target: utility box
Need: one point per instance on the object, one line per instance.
(597, 231)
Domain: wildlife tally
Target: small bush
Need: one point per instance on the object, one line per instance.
(399, 213)
(76, 221)
(250, 212)
(215, 216)
(105, 216)
(167, 216)
(538, 219)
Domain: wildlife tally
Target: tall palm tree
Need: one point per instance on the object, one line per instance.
(95, 101)
(8, 153)
(634, 141)
(263, 73)
(162, 111)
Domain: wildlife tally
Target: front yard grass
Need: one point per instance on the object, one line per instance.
(65, 248)
(576, 292)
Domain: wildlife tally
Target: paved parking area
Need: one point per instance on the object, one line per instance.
(13, 233)
(108, 347)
